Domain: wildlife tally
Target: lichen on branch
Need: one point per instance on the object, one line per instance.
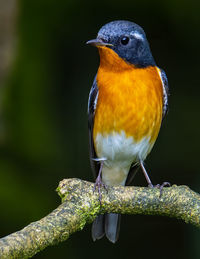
(80, 205)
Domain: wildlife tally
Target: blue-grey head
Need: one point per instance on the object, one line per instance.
(128, 40)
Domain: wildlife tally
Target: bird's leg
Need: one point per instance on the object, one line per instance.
(159, 186)
(98, 183)
(146, 175)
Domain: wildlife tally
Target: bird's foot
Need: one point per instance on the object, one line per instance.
(98, 185)
(160, 186)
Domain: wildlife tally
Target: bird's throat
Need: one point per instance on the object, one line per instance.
(110, 60)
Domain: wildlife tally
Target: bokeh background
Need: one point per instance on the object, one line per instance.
(46, 71)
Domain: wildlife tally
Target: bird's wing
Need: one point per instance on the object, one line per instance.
(165, 92)
(92, 102)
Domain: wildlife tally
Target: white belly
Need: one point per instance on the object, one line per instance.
(119, 152)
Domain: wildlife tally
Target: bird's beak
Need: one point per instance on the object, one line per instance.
(98, 43)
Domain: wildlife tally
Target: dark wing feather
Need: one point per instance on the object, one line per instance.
(91, 111)
(165, 92)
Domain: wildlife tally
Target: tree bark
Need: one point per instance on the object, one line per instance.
(80, 205)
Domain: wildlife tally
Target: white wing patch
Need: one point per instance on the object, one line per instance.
(165, 95)
(95, 101)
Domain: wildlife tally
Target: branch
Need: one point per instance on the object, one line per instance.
(80, 206)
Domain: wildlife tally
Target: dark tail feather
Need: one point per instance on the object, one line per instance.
(112, 226)
(108, 224)
(98, 229)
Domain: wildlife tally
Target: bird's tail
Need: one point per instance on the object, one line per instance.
(107, 224)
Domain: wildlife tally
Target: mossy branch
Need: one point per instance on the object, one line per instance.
(80, 205)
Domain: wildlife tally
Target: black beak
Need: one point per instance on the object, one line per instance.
(98, 42)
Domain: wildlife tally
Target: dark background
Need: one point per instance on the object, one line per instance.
(43, 133)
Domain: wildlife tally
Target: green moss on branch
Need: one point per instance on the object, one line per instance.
(81, 205)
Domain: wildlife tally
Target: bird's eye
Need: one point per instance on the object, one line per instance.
(124, 40)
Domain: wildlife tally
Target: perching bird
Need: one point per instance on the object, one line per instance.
(127, 102)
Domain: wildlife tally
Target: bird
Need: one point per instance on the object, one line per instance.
(127, 103)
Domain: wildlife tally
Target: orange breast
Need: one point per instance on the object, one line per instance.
(130, 98)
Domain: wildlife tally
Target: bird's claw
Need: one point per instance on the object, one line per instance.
(160, 187)
(98, 185)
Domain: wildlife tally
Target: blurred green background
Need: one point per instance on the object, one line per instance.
(43, 131)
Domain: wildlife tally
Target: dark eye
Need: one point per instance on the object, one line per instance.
(124, 40)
